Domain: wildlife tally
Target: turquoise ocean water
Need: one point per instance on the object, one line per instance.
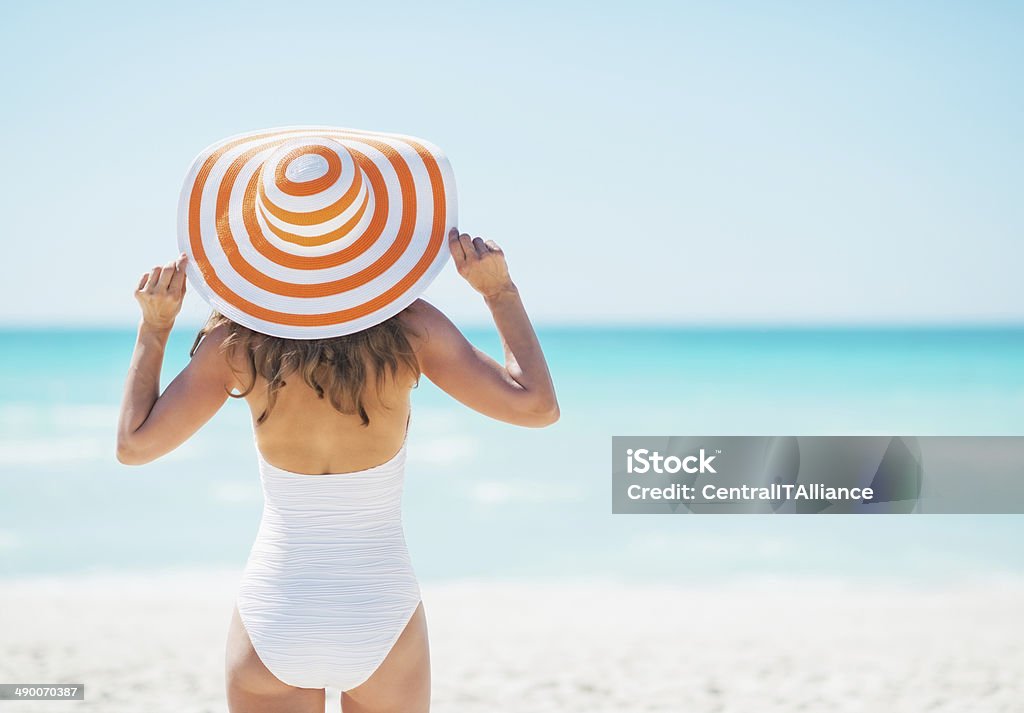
(485, 499)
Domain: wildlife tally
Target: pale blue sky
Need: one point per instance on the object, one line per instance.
(675, 162)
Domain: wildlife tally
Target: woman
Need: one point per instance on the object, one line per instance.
(329, 598)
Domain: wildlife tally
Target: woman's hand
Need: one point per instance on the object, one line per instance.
(161, 292)
(481, 262)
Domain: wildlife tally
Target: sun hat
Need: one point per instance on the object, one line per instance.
(308, 232)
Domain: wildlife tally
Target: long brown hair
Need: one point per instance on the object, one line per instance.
(337, 368)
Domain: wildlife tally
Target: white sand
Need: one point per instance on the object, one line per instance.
(154, 643)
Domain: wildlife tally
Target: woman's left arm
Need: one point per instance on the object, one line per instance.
(152, 424)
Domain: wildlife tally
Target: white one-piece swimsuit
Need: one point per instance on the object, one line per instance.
(328, 587)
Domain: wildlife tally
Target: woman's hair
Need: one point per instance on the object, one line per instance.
(336, 368)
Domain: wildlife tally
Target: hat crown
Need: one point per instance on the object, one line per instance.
(305, 168)
(312, 193)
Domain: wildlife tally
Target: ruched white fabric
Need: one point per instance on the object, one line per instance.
(329, 586)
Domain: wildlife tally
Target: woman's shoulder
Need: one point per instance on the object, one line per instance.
(420, 314)
(212, 340)
(427, 326)
(211, 353)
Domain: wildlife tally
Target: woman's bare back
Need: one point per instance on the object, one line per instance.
(304, 433)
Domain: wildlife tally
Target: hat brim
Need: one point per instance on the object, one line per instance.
(315, 291)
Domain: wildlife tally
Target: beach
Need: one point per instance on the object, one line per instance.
(155, 642)
(537, 597)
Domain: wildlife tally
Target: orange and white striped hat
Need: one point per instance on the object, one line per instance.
(309, 232)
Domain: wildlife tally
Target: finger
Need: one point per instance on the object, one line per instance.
(166, 275)
(467, 246)
(176, 281)
(493, 246)
(177, 284)
(455, 245)
(142, 282)
(478, 245)
(153, 279)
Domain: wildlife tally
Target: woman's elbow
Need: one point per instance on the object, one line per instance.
(129, 454)
(126, 456)
(542, 414)
(550, 416)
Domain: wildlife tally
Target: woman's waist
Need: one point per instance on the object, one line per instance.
(337, 561)
(334, 515)
(329, 537)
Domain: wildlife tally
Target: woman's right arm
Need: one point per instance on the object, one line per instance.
(520, 392)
